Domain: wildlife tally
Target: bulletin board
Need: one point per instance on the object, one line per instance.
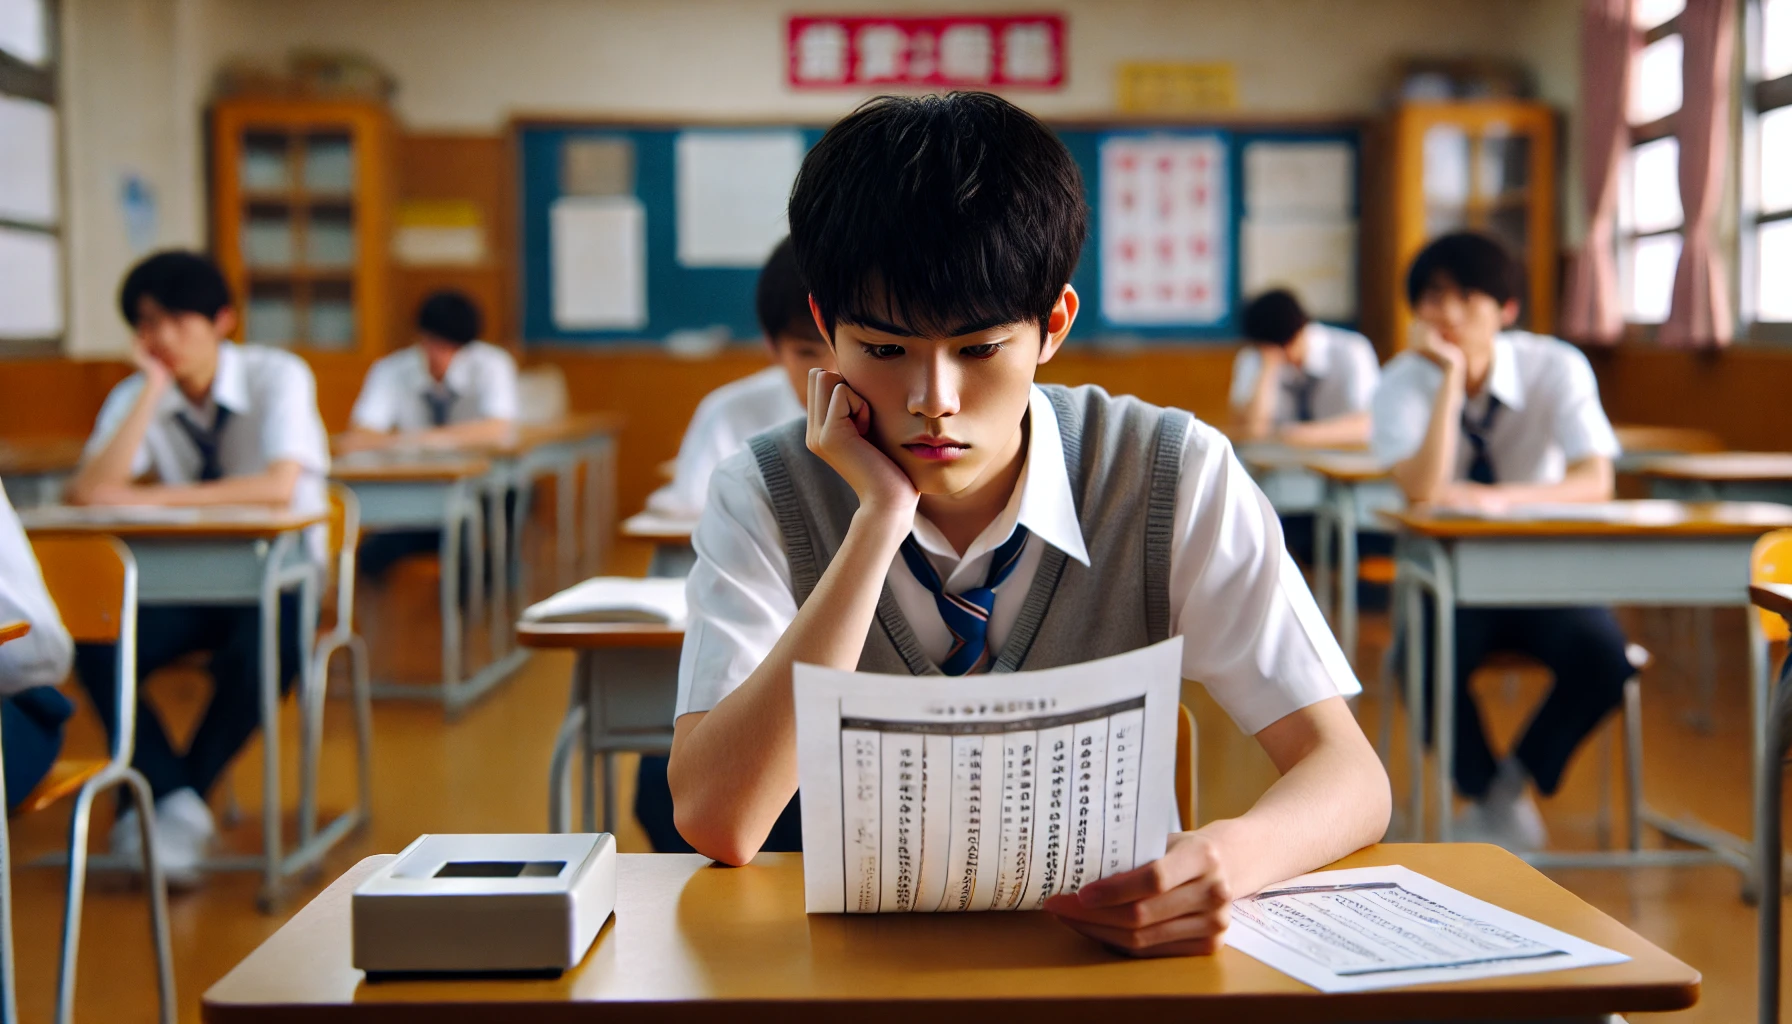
(674, 295)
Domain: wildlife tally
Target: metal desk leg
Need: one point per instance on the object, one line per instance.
(1347, 571)
(449, 554)
(595, 726)
(476, 570)
(600, 491)
(275, 559)
(571, 739)
(1414, 616)
(566, 513)
(1324, 522)
(1443, 685)
(498, 532)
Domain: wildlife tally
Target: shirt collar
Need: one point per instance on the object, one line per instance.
(1504, 380)
(1318, 359)
(230, 386)
(460, 365)
(1042, 500)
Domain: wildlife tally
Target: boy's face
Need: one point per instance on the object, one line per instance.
(437, 353)
(797, 355)
(1462, 317)
(948, 409)
(184, 342)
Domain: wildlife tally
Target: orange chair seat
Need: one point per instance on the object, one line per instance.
(1376, 569)
(65, 778)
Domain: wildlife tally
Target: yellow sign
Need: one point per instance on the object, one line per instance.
(1148, 87)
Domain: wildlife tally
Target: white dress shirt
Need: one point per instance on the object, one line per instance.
(1342, 364)
(41, 657)
(481, 378)
(1251, 632)
(724, 420)
(272, 398)
(1550, 415)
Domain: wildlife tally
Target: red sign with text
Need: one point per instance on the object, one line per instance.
(955, 51)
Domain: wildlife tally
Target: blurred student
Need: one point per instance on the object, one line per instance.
(1301, 381)
(737, 410)
(940, 513)
(1480, 417)
(203, 421)
(32, 710)
(447, 388)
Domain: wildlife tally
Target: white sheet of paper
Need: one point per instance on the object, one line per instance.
(986, 792)
(1388, 927)
(1306, 179)
(599, 251)
(733, 193)
(614, 599)
(1315, 258)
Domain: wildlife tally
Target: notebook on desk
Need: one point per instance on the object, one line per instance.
(614, 599)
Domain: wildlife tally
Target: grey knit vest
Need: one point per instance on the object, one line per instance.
(1124, 459)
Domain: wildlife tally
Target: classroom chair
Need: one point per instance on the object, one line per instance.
(1769, 786)
(93, 580)
(339, 605)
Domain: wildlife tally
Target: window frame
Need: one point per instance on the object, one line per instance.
(1626, 236)
(38, 83)
(1758, 97)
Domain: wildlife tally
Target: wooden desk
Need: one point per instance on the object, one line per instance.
(1646, 441)
(1356, 486)
(671, 537)
(35, 467)
(10, 631)
(1280, 469)
(694, 942)
(1630, 553)
(560, 448)
(623, 695)
(222, 555)
(1731, 476)
(440, 490)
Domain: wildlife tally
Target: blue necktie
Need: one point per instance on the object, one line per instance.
(440, 402)
(1480, 463)
(211, 466)
(1303, 397)
(966, 614)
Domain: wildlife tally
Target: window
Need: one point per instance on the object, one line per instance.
(1766, 275)
(1649, 214)
(31, 292)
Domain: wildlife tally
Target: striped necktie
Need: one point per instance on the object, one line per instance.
(440, 402)
(966, 614)
(1480, 463)
(211, 466)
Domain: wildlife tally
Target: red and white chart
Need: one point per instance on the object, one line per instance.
(1165, 261)
(953, 51)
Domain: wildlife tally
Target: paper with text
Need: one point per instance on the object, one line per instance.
(1385, 927)
(985, 792)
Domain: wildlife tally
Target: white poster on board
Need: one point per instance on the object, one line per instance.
(1164, 258)
(1314, 259)
(733, 193)
(1306, 179)
(599, 251)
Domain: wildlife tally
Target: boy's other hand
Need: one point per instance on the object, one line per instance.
(839, 429)
(156, 374)
(1177, 905)
(1467, 496)
(1428, 343)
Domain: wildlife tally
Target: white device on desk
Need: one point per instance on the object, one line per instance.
(486, 903)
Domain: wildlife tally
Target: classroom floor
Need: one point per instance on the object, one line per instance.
(486, 771)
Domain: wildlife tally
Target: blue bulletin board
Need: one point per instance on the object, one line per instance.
(680, 298)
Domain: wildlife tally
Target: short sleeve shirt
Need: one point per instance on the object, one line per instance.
(724, 420)
(1341, 365)
(41, 657)
(480, 384)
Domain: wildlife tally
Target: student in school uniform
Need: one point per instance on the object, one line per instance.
(725, 419)
(447, 388)
(1305, 383)
(739, 409)
(1478, 416)
(937, 236)
(32, 710)
(203, 421)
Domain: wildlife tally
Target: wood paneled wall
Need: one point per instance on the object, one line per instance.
(1742, 393)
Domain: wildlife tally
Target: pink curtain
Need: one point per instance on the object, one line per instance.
(1591, 308)
(1700, 314)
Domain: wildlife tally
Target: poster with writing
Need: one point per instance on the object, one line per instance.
(954, 51)
(1165, 259)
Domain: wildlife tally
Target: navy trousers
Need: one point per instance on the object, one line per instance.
(1584, 650)
(653, 808)
(31, 724)
(232, 635)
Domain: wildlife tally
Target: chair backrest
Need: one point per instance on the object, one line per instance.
(344, 531)
(1638, 440)
(541, 394)
(1185, 767)
(92, 578)
(1771, 562)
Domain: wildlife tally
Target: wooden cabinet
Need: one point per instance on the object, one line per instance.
(301, 215)
(1486, 166)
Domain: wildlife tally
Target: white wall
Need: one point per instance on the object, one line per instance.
(137, 72)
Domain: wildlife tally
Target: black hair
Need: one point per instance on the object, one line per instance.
(1274, 318)
(1471, 261)
(179, 281)
(450, 316)
(938, 213)
(782, 299)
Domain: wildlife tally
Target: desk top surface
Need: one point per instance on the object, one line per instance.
(128, 521)
(396, 465)
(1346, 467)
(593, 635)
(10, 631)
(1720, 467)
(1642, 439)
(656, 527)
(695, 942)
(570, 427)
(28, 455)
(1604, 519)
(1775, 597)
(1267, 455)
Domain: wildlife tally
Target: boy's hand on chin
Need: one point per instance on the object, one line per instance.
(839, 425)
(1177, 905)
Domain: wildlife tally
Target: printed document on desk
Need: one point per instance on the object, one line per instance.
(1387, 927)
(984, 792)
